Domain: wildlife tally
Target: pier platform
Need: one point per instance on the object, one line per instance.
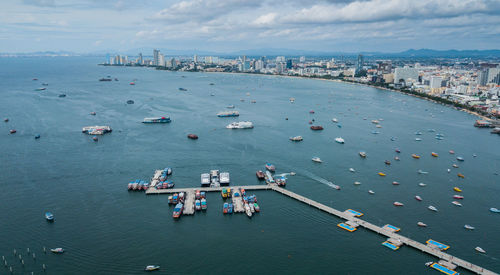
(189, 203)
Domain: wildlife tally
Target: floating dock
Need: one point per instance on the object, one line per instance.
(443, 269)
(390, 245)
(391, 228)
(238, 204)
(432, 248)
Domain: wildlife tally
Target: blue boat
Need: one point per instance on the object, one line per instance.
(156, 120)
(230, 208)
(49, 216)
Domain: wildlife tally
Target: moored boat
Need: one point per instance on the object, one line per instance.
(270, 167)
(156, 120)
(398, 150)
(387, 162)
(256, 207)
(479, 249)
(225, 208)
(197, 205)
(458, 197)
(203, 204)
(260, 175)
(381, 174)
(456, 203)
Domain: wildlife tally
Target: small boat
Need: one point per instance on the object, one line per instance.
(316, 159)
(192, 136)
(371, 192)
(6, 119)
(292, 99)
(297, 138)
(396, 158)
(62, 95)
(469, 227)
(494, 210)
(57, 250)
(479, 249)
(252, 208)
(375, 121)
(381, 174)
(339, 140)
(460, 158)
(418, 139)
(316, 128)
(460, 175)
(94, 138)
(415, 156)
(230, 106)
(457, 189)
(178, 209)
(357, 183)
(397, 203)
(156, 120)
(260, 175)
(152, 267)
(422, 172)
(93, 113)
(397, 150)
(225, 208)
(197, 205)
(448, 170)
(421, 224)
(13, 131)
(203, 204)
(362, 154)
(452, 152)
(37, 136)
(387, 162)
(375, 132)
(352, 170)
(256, 207)
(418, 198)
(182, 89)
(311, 112)
(49, 216)
(422, 184)
(395, 183)
(456, 203)
(270, 167)
(432, 208)
(434, 154)
(228, 114)
(335, 120)
(130, 101)
(458, 197)
(132, 83)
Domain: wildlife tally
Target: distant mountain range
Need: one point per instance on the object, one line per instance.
(412, 53)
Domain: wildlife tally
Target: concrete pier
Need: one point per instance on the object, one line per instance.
(189, 203)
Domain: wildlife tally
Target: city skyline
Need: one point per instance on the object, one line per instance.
(85, 26)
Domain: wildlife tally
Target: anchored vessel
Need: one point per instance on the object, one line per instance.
(156, 120)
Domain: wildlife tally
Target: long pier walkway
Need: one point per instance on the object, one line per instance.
(344, 215)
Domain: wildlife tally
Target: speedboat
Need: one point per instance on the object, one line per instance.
(362, 154)
(316, 159)
(457, 189)
(460, 175)
(448, 170)
(293, 173)
(130, 101)
(395, 183)
(418, 139)
(13, 131)
(387, 162)
(335, 120)
(357, 183)
(49, 216)
(381, 174)
(421, 224)
(396, 158)
(371, 192)
(352, 170)
(256, 207)
(479, 249)
(454, 165)
(494, 210)
(458, 197)
(422, 184)
(297, 138)
(397, 203)
(434, 154)
(469, 227)
(397, 150)
(57, 250)
(456, 203)
(432, 208)
(339, 140)
(415, 156)
(460, 158)
(422, 172)
(152, 267)
(418, 198)
(270, 167)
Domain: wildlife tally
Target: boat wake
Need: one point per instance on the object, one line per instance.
(320, 179)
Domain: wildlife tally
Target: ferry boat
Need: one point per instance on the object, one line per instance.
(316, 128)
(203, 204)
(49, 216)
(316, 159)
(339, 140)
(178, 210)
(434, 154)
(362, 154)
(421, 224)
(152, 267)
(156, 120)
(270, 167)
(457, 189)
(397, 203)
(479, 249)
(224, 179)
(456, 203)
(228, 114)
(240, 125)
(57, 250)
(197, 205)
(415, 156)
(460, 175)
(432, 208)
(225, 208)
(297, 138)
(260, 175)
(247, 210)
(418, 198)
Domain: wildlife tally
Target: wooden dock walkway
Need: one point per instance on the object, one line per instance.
(152, 190)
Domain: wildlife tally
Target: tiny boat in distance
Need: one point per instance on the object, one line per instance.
(357, 183)
(418, 139)
(460, 175)
(422, 184)
(352, 170)
(457, 189)
(479, 249)
(395, 183)
(13, 131)
(469, 227)
(156, 120)
(387, 162)
(460, 158)
(230, 106)
(316, 159)
(381, 174)
(152, 267)
(421, 224)
(458, 197)
(434, 154)
(316, 128)
(455, 165)
(452, 152)
(432, 208)
(57, 250)
(182, 89)
(49, 216)
(362, 154)
(418, 198)
(397, 203)
(192, 136)
(371, 192)
(422, 172)
(297, 138)
(397, 150)
(311, 112)
(415, 156)
(339, 140)
(456, 203)
(335, 120)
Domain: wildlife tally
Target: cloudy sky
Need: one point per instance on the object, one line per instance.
(233, 25)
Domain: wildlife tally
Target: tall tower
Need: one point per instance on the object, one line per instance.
(360, 62)
(156, 57)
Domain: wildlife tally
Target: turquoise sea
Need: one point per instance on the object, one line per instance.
(107, 230)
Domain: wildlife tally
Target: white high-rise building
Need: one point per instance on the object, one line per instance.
(435, 82)
(405, 74)
(280, 59)
(156, 57)
(195, 58)
(161, 60)
(302, 59)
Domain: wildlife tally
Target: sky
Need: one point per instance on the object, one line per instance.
(224, 26)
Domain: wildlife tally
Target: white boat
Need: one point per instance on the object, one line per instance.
(152, 267)
(469, 227)
(228, 114)
(421, 224)
(422, 172)
(292, 173)
(422, 184)
(316, 159)
(456, 203)
(357, 183)
(479, 249)
(335, 120)
(297, 138)
(432, 208)
(418, 139)
(230, 106)
(240, 125)
(449, 170)
(352, 170)
(339, 140)
(224, 178)
(494, 210)
(371, 192)
(252, 207)
(247, 210)
(292, 99)
(57, 250)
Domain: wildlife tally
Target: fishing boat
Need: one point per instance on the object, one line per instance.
(458, 197)
(460, 158)
(260, 175)
(270, 167)
(152, 267)
(297, 138)
(130, 101)
(93, 113)
(225, 208)
(357, 183)
(178, 210)
(381, 174)
(339, 140)
(57, 250)
(94, 138)
(49, 216)
(247, 210)
(457, 189)
(422, 184)
(456, 203)
(371, 192)
(448, 170)
(494, 210)
(228, 114)
(375, 121)
(418, 198)
(395, 183)
(421, 224)
(460, 175)
(335, 120)
(352, 170)
(415, 156)
(479, 249)
(256, 207)
(434, 154)
(316, 128)
(375, 132)
(203, 204)
(387, 162)
(280, 180)
(469, 227)
(192, 136)
(432, 208)
(316, 159)
(156, 120)
(378, 126)
(40, 89)
(397, 203)
(362, 154)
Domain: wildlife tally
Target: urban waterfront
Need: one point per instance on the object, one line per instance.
(106, 229)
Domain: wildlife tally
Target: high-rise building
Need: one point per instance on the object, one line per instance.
(405, 74)
(195, 58)
(161, 60)
(259, 65)
(280, 59)
(156, 57)
(289, 64)
(435, 82)
(482, 77)
(493, 75)
(360, 62)
(140, 60)
(302, 59)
